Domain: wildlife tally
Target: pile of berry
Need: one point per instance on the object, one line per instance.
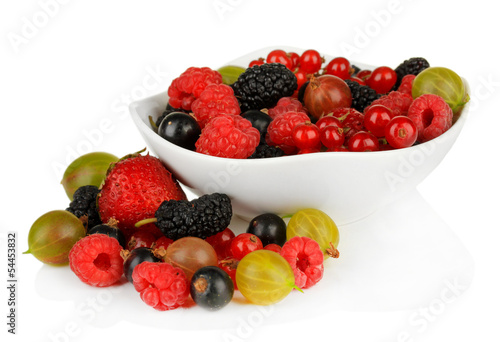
(288, 103)
(138, 226)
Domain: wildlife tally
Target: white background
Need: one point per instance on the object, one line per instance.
(69, 68)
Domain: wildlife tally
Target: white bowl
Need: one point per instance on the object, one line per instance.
(346, 185)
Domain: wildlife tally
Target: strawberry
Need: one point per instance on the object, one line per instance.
(133, 190)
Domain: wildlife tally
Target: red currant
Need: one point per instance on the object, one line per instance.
(279, 56)
(363, 74)
(162, 242)
(273, 247)
(306, 135)
(295, 58)
(332, 137)
(221, 242)
(309, 150)
(376, 118)
(328, 120)
(339, 67)
(357, 79)
(259, 61)
(140, 238)
(401, 132)
(229, 265)
(243, 244)
(382, 79)
(302, 78)
(363, 141)
(310, 61)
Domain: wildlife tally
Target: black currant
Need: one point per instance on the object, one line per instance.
(180, 129)
(269, 228)
(110, 231)
(259, 120)
(211, 288)
(134, 258)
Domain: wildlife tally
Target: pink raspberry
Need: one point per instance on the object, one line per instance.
(284, 105)
(161, 285)
(406, 84)
(189, 85)
(280, 129)
(96, 260)
(228, 136)
(432, 115)
(214, 100)
(306, 259)
(397, 101)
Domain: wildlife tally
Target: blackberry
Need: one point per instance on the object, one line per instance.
(412, 66)
(266, 151)
(261, 86)
(84, 203)
(201, 217)
(362, 96)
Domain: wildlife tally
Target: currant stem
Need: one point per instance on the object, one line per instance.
(145, 221)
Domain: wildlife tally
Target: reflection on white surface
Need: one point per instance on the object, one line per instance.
(401, 258)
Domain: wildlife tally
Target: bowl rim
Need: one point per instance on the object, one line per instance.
(457, 125)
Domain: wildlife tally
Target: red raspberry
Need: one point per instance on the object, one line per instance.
(306, 259)
(280, 129)
(214, 100)
(96, 260)
(188, 86)
(161, 285)
(228, 136)
(285, 105)
(432, 116)
(406, 84)
(397, 101)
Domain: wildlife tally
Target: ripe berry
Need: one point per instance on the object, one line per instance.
(376, 118)
(306, 135)
(306, 259)
(295, 58)
(211, 288)
(161, 285)
(273, 247)
(401, 132)
(269, 228)
(180, 129)
(362, 142)
(259, 120)
(332, 137)
(140, 238)
(432, 115)
(328, 120)
(221, 242)
(259, 61)
(279, 56)
(382, 79)
(339, 67)
(363, 74)
(243, 244)
(96, 259)
(136, 257)
(310, 61)
(111, 231)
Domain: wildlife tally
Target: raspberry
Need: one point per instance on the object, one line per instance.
(397, 101)
(161, 285)
(284, 105)
(406, 84)
(280, 129)
(190, 84)
(228, 136)
(432, 116)
(214, 100)
(306, 259)
(96, 260)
